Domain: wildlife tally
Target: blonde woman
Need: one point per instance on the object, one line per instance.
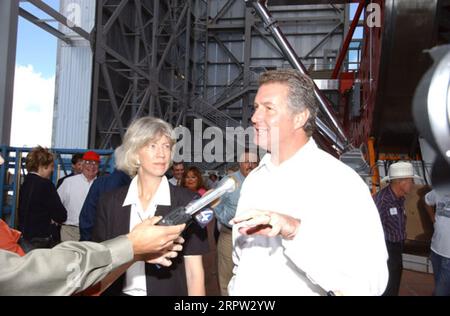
(146, 155)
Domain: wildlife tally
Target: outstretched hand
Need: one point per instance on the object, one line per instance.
(267, 223)
(148, 238)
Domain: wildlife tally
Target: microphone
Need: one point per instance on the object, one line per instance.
(181, 215)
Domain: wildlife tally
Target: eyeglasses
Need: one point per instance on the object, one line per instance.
(91, 162)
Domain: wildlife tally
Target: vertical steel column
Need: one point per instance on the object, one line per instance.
(205, 62)
(136, 60)
(373, 164)
(154, 62)
(187, 56)
(99, 57)
(247, 60)
(9, 13)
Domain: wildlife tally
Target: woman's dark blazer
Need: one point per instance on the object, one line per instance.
(113, 220)
(39, 205)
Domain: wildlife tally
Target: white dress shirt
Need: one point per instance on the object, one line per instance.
(73, 192)
(173, 181)
(340, 242)
(135, 280)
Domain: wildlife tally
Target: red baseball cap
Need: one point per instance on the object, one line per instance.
(91, 155)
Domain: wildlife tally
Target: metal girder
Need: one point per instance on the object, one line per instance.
(141, 51)
(112, 98)
(60, 18)
(169, 54)
(8, 38)
(36, 21)
(114, 16)
(173, 36)
(267, 38)
(223, 10)
(324, 39)
(227, 51)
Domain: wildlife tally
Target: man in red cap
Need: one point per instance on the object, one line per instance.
(73, 192)
(90, 166)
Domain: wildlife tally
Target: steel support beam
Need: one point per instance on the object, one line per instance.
(154, 52)
(60, 18)
(173, 36)
(36, 21)
(142, 45)
(324, 39)
(246, 106)
(114, 16)
(227, 51)
(9, 13)
(223, 10)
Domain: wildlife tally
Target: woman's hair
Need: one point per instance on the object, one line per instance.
(38, 157)
(139, 134)
(197, 174)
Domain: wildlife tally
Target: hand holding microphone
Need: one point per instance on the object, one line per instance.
(182, 215)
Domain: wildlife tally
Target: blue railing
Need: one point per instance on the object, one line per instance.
(13, 171)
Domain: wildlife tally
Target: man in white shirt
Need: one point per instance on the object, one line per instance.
(73, 192)
(306, 223)
(177, 173)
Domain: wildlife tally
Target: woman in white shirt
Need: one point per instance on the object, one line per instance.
(146, 155)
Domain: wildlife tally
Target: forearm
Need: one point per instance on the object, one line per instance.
(68, 268)
(195, 276)
(431, 213)
(224, 215)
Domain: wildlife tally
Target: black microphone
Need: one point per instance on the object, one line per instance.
(184, 214)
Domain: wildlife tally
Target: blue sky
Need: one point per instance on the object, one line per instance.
(34, 82)
(35, 46)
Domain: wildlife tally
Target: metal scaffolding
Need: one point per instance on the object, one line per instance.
(185, 60)
(196, 59)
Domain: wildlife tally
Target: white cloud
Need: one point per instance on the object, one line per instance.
(32, 118)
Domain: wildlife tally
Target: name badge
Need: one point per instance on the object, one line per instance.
(393, 211)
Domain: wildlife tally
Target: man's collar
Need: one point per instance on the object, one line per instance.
(266, 161)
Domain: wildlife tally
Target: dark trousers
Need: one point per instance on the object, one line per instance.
(395, 267)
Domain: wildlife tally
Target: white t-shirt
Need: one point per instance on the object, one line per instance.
(440, 243)
(340, 243)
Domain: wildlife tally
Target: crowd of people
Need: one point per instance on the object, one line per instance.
(299, 222)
